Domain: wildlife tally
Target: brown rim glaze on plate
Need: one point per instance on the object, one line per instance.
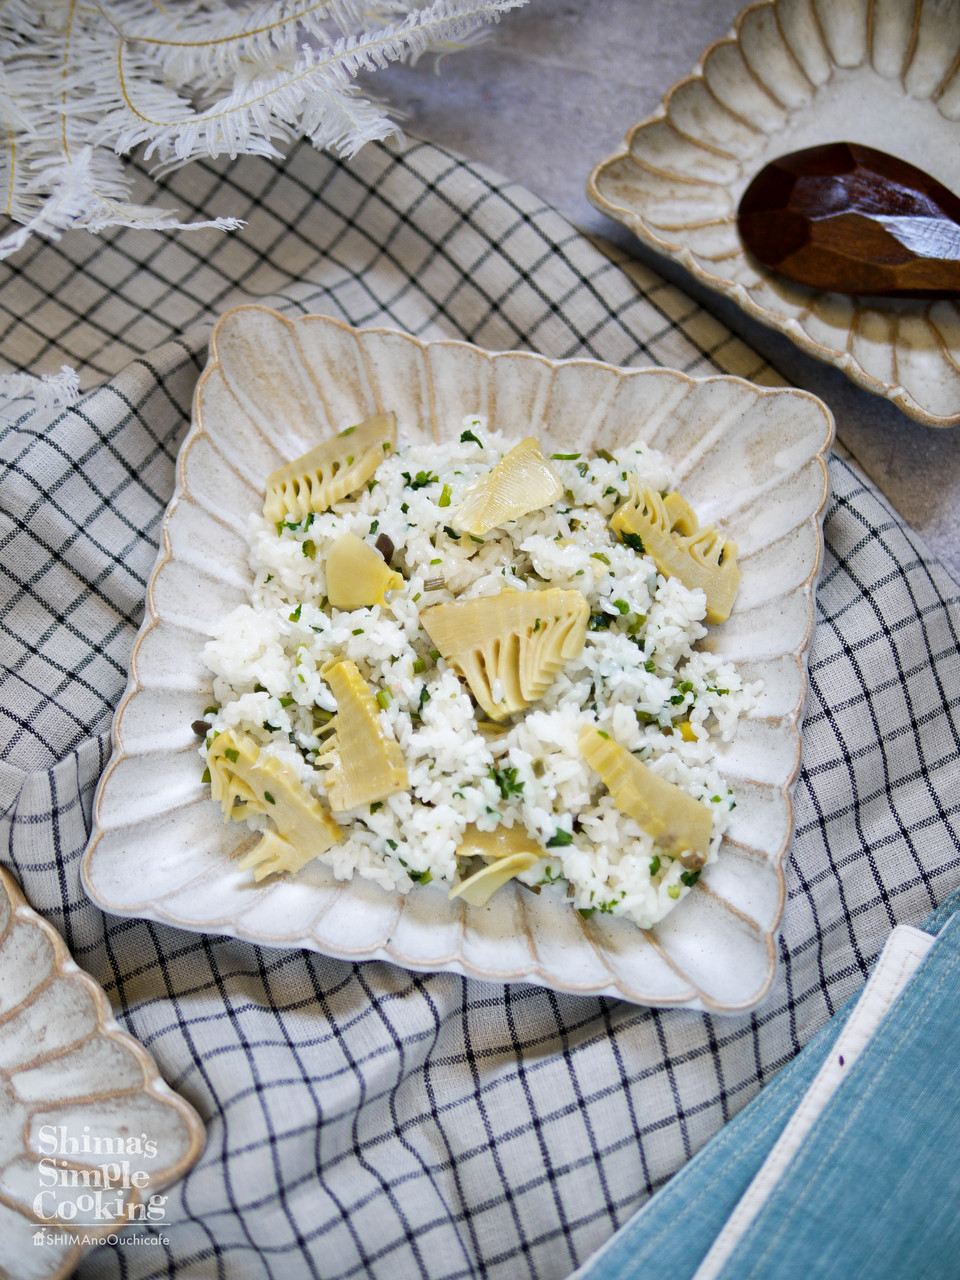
(794, 74)
(750, 459)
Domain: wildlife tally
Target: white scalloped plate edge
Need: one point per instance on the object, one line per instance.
(817, 304)
(153, 1086)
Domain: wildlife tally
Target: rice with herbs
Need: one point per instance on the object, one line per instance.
(639, 677)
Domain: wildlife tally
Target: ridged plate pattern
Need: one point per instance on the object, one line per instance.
(750, 459)
(72, 1083)
(793, 74)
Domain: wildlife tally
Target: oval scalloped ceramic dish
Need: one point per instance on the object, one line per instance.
(72, 1081)
(794, 74)
(750, 459)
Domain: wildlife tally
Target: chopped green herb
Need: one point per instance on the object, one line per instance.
(467, 437)
(357, 631)
(438, 560)
(451, 533)
(420, 480)
(506, 780)
(599, 555)
(376, 806)
(690, 877)
(435, 654)
(374, 526)
(205, 776)
(655, 864)
(560, 839)
(569, 496)
(634, 542)
(685, 686)
(607, 457)
(603, 733)
(232, 754)
(420, 877)
(650, 666)
(271, 728)
(404, 507)
(269, 798)
(349, 459)
(425, 697)
(586, 912)
(599, 622)
(419, 665)
(348, 431)
(210, 711)
(564, 457)
(416, 597)
(673, 890)
(392, 843)
(474, 538)
(384, 698)
(295, 616)
(537, 625)
(621, 605)
(583, 468)
(309, 548)
(444, 499)
(608, 490)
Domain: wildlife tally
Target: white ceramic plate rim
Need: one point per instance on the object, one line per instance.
(676, 249)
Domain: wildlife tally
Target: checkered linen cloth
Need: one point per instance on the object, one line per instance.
(364, 1121)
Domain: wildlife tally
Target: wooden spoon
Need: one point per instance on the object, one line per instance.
(850, 219)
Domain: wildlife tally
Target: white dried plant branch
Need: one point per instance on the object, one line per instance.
(48, 391)
(85, 81)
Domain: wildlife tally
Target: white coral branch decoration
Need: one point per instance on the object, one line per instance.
(84, 82)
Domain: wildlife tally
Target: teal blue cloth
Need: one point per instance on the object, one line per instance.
(873, 1192)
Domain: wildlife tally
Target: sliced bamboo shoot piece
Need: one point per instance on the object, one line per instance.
(357, 574)
(668, 531)
(329, 472)
(367, 764)
(507, 851)
(681, 825)
(304, 827)
(523, 480)
(509, 647)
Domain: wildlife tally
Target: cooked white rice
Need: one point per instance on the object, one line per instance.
(638, 676)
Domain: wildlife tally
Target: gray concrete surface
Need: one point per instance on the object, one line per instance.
(553, 91)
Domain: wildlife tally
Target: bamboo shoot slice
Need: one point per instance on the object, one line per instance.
(506, 850)
(304, 827)
(368, 764)
(479, 888)
(522, 481)
(318, 479)
(668, 531)
(357, 574)
(509, 647)
(681, 825)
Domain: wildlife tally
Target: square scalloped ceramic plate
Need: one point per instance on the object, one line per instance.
(71, 1078)
(793, 74)
(750, 459)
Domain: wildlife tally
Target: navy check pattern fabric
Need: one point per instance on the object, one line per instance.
(363, 1121)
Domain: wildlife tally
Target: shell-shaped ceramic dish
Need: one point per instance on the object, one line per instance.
(793, 74)
(750, 459)
(90, 1135)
